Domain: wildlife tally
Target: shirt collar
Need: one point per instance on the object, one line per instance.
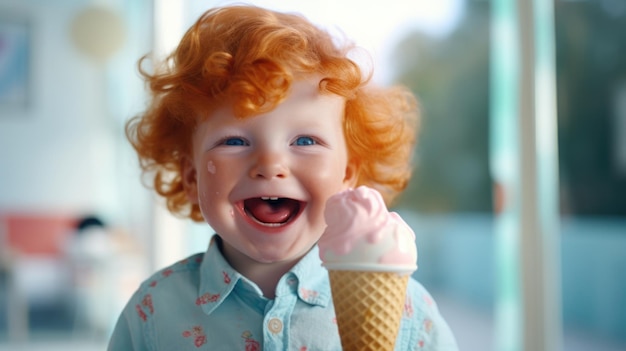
(218, 279)
(313, 286)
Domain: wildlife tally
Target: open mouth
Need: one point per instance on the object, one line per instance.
(272, 211)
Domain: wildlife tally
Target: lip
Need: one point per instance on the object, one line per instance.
(270, 228)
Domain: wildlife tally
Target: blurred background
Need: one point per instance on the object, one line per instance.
(79, 231)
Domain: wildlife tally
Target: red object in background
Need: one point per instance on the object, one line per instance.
(499, 197)
(36, 234)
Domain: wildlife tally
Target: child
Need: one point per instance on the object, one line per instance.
(256, 119)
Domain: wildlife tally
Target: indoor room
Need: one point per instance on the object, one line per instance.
(517, 196)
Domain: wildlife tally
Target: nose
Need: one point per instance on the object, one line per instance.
(269, 165)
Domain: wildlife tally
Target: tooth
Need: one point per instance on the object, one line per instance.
(265, 198)
(273, 198)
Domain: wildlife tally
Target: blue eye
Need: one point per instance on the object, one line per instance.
(305, 141)
(234, 141)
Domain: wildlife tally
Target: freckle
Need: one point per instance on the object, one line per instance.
(211, 167)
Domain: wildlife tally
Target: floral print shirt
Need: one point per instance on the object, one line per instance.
(202, 303)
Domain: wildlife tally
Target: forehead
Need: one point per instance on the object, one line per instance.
(303, 100)
(305, 96)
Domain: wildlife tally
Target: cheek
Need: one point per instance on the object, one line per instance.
(324, 177)
(330, 170)
(209, 179)
(217, 178)
(210, 167)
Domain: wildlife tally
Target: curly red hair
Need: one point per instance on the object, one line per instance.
(251, 56)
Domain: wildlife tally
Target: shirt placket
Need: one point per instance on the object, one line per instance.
(277, 318)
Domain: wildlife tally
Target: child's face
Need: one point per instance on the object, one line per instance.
(295, 153)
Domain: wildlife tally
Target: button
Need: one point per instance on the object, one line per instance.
(275, 325)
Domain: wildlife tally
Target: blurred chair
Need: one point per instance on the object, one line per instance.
(32, 255)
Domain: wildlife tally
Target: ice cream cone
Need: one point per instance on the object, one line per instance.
(368, 307)
(370, 254)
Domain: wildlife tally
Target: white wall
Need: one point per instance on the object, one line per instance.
(66, 151)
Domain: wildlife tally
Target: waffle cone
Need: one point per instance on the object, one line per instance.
(368, 306)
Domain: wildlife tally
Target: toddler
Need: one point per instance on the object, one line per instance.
(256, 119)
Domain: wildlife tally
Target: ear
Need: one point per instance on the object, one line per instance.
(352, 174)
(190, 179)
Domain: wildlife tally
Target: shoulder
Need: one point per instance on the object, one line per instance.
(184, 270)
(419, 298)
(164, 284)
(165, 293)
(423, 321)
(177, 280)
(420, 308)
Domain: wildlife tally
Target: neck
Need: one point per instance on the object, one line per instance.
(264, 275)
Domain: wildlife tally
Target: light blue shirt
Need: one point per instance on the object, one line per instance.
(202, 303)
